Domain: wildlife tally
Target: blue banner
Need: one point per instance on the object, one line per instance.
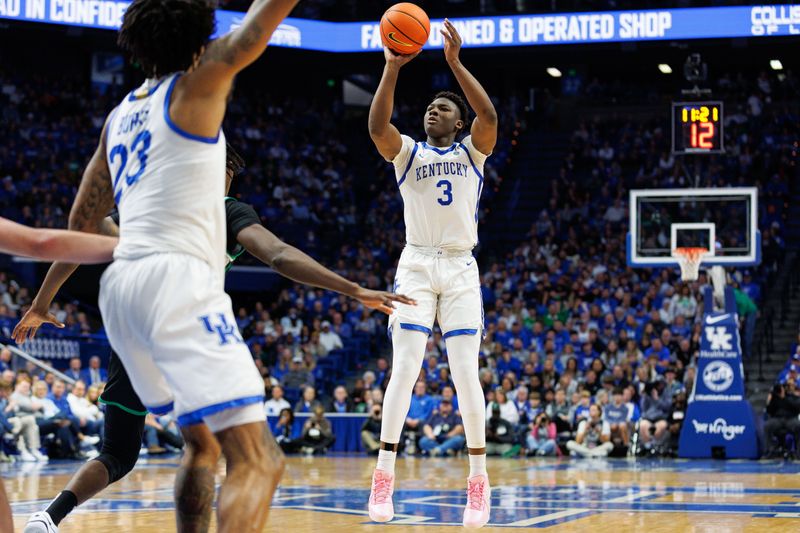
(519, 30)
(718, 415)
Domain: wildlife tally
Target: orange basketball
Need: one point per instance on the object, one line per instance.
(405, 28)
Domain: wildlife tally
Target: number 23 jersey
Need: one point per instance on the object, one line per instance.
(441, 190)
(168, 184)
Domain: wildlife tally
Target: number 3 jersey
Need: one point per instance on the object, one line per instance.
(441, 190)
(168, 184)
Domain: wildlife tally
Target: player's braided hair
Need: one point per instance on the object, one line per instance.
(234, 163)
(460, 104)
(163, 36)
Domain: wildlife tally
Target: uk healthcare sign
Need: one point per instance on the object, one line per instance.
(518, 30)
(718, 415)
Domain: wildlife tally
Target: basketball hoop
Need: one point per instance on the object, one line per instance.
(689, 259)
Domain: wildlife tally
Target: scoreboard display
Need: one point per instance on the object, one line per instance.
(697, 128)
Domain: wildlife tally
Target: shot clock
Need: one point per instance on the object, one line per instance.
(697, 128)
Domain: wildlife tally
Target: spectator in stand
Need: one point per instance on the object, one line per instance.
(448, 393)
(308, 402)
(317, 434)
(541, 440)
(581, 408)
(160, 432)
(292, 323)
(298, 376)
(748, 313)
(677, 415)
(341, 402)
(90, 418)
(19, 410)
(330, 339)
(507, 363)
(508, 411)
(500, 433)
(94, 375)
(782, 410)
(655, 410)
(443, 432)
(371, 430)
(618, 418)
(52, 422)
(5, 359)
(593, 438)
(559, 412)
(276, 403)
(74, 370)
(284, 430)
(420, 410)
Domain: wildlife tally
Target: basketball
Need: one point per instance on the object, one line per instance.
(405, 28)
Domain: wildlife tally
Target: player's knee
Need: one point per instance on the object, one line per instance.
(118, 465)
(201, 445)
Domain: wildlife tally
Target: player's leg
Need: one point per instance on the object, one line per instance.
(6, 521)
(461, 319)
(255, 464)
(194, 481)
(123, 428)
(410, 327)
(217, 384)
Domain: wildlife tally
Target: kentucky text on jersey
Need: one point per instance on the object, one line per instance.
(447, 168)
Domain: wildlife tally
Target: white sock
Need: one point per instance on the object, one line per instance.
(477, 465)
(386, 461)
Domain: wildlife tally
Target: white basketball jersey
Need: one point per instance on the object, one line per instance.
(441, 189)
(169, 185)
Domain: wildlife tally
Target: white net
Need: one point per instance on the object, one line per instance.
(689, 260)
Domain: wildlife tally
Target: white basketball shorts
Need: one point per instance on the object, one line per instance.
(170, 321)
(446, 286)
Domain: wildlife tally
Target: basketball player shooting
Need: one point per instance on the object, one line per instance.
(161, 159)
(440, 181)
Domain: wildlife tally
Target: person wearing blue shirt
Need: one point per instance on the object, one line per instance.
(750, 288)
(506, 363)
(662, 352)
(443, 431)
(421, 407)
(448, 394)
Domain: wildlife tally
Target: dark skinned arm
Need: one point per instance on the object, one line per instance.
(484, 127)
(290, 262)
(383, 133)
(206, 86)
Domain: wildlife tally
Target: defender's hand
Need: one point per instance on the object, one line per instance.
(452, 41)
(381, 300)
(30, 323)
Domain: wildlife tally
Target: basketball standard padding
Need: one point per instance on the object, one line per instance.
(405, 28)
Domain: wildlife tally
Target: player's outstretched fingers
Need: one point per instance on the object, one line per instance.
(403, 299)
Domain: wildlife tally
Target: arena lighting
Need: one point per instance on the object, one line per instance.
(554, 72)
(664, 68)
(776, 64)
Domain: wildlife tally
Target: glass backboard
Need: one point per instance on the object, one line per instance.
(723, 220)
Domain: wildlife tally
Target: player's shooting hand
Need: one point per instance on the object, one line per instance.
(398, 60)
(381, 300)
(30, 323)
(452, 41)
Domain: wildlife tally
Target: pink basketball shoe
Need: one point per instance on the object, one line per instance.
(381, 508)
(479, 501)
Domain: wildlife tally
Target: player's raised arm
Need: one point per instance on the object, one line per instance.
(484, 127)
(290, 262)
(233, 52)
(385, 136)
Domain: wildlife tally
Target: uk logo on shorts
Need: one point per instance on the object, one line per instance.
(228, 333)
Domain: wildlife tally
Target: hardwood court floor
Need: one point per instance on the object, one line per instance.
(330, 494)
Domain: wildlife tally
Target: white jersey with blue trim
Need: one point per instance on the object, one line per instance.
(441, 189)
(169, 185)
